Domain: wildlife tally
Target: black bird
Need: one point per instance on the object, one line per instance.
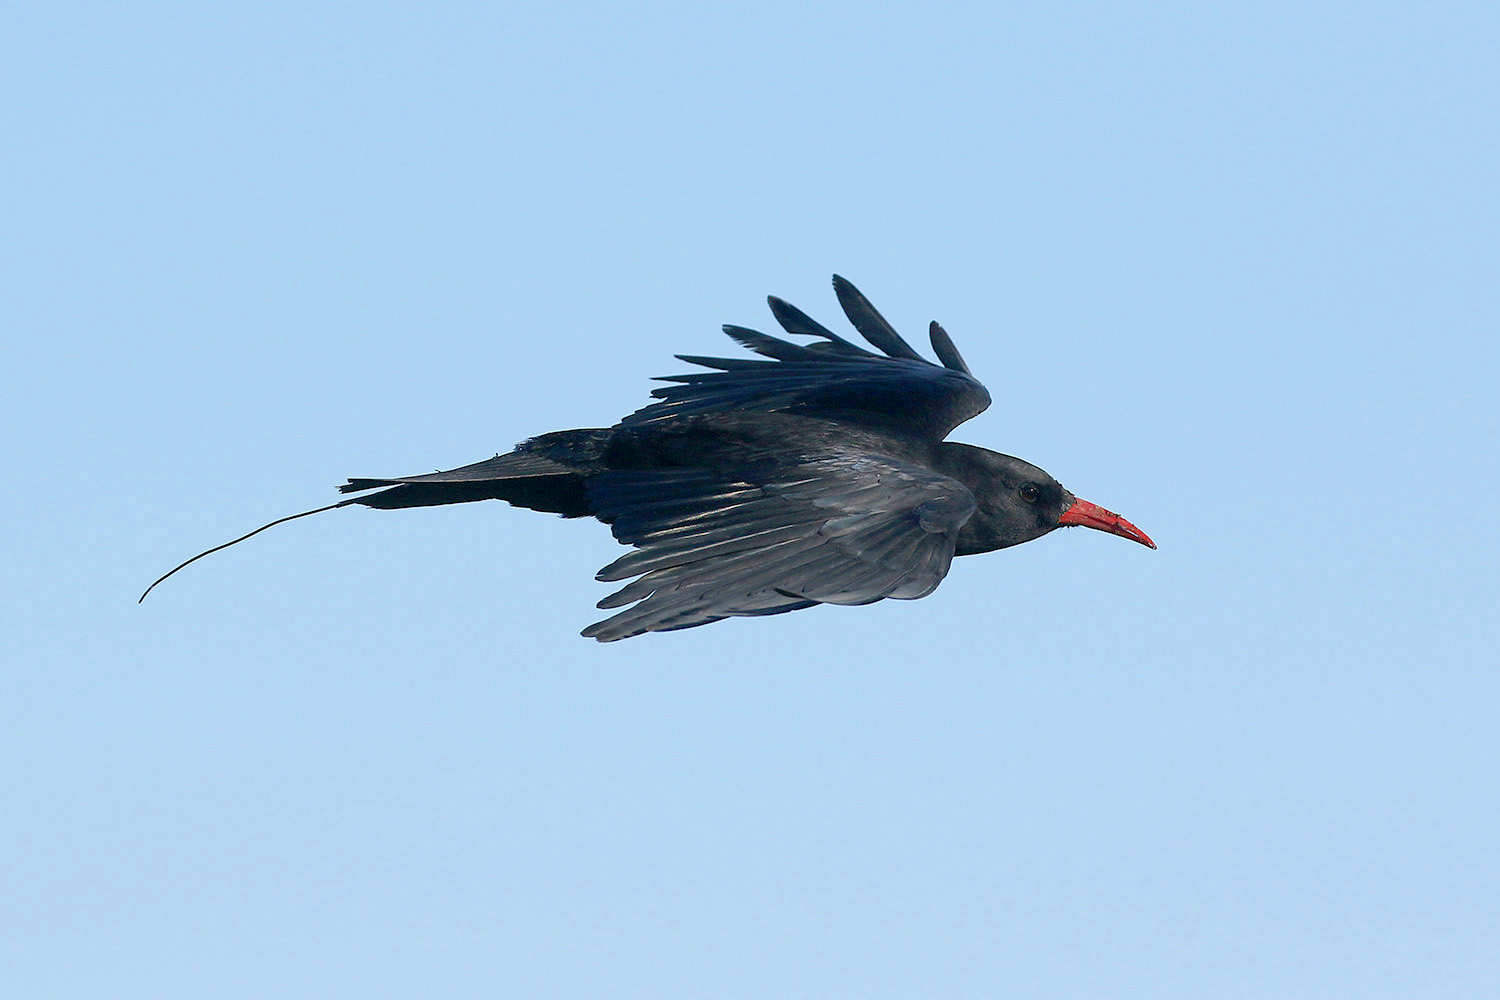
(758, 487)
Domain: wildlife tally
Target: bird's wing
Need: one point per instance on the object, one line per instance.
(897, 390)
(834, 530)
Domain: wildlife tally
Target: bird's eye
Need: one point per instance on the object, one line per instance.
(1029, 492)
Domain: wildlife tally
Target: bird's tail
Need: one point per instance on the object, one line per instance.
(546, 473)
(526, 480)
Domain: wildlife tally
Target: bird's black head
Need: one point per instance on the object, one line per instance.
(1018, 502)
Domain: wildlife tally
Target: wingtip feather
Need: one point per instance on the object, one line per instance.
(871, 325)
(943, 347)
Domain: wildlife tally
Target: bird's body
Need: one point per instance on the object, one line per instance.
(760, 487)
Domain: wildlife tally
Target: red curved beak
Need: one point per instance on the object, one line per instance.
(1093, 516)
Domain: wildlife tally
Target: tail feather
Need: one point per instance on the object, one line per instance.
(515, 465)
(521, 478)
(559, 494)
(526, 477)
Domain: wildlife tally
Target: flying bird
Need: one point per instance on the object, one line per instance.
(757, 487)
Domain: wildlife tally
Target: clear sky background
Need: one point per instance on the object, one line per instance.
(1230, 270)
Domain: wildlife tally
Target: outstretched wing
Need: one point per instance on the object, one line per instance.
(897, 390)
(831, 530)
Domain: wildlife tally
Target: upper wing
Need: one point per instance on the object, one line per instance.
(898, 390)
(835, 530)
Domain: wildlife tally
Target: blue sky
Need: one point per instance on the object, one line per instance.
(1231, 272)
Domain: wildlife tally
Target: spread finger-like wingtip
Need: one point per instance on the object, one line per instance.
(870, 324)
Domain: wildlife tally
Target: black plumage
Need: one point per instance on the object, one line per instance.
(820, 476)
